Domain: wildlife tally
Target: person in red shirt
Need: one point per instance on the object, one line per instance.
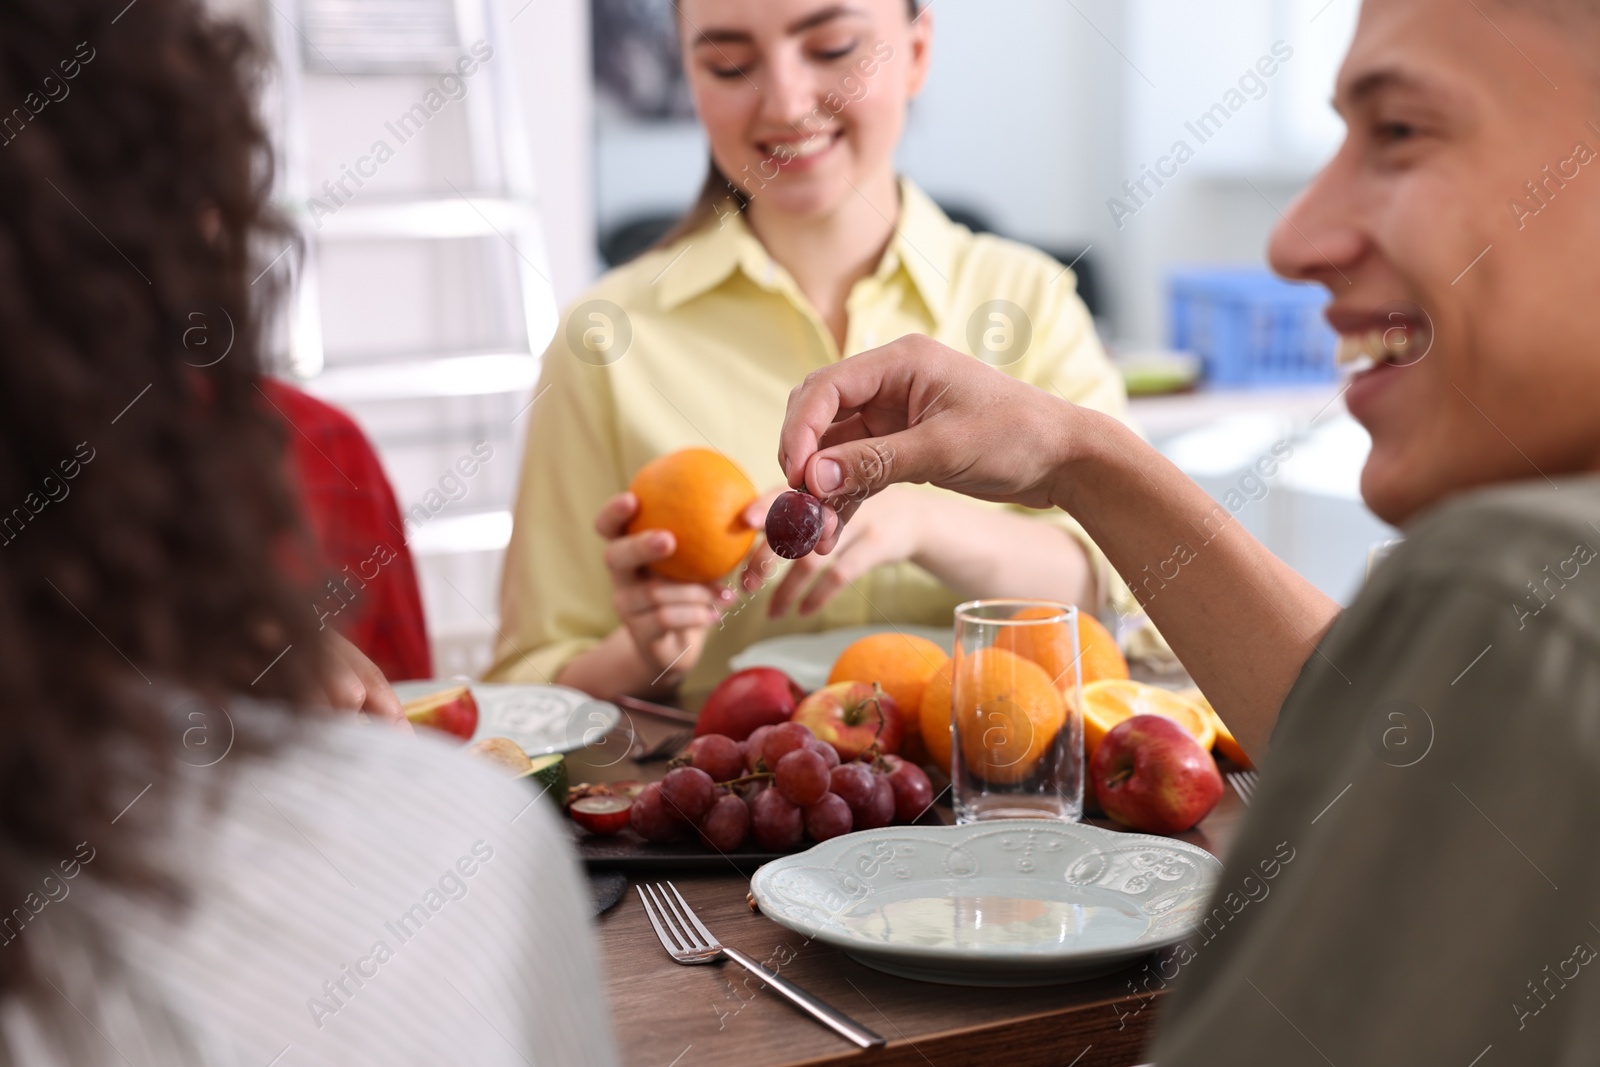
(370, 592)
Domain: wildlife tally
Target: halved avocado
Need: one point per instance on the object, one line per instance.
(549, 773)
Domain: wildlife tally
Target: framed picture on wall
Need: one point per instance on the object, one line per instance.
(637, 71)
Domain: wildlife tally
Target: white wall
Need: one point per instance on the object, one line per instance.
(646, 169)
(1222, 206)
(1021, 117)
(552, 57)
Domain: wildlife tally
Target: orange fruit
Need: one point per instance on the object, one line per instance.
(934, 716)
(901, 663)
(1111, 700)
(1226, 744)
(1101, 658)
(699, 497)
(1049, 645)
(1008, 712)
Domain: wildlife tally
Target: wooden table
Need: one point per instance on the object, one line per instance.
(668, 1015)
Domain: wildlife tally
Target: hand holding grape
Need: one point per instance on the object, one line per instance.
(887, 529)
(917, 411)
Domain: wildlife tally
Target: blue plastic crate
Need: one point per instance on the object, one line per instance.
(1250, 327)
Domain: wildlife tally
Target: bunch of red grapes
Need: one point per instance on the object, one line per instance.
(778, 787)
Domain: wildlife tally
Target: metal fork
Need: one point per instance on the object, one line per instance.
(1244, 783)
(687, 941)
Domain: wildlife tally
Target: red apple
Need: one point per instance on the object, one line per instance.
(851, 716)
(452, 711)
(744, 700)
(1149, 774)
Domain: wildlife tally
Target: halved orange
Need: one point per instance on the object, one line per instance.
(1226, 744)
(1108, 702)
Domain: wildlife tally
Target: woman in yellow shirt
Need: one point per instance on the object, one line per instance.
(804, 248)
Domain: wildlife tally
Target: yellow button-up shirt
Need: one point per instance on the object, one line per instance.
(698, 345)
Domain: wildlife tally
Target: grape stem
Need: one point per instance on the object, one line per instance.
(753, 776)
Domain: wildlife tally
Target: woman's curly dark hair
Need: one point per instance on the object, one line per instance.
(149, 546)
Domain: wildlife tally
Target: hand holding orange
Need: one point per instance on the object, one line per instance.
(699, 496)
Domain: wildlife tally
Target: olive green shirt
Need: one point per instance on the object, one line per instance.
(1418, 878)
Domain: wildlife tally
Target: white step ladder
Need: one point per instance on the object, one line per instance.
(351, 39)
(418, 402)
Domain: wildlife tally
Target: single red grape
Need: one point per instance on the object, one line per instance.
(880, 812)
(718, 756)
(651, 819)
(794, 524)
(688, 792)
(725, 826)
(802, 777)
(829, 754)
(776, 824)
(913, 792)
(601, 815)
(854, 782)
(784, 739)
(752, 747)
(828, 817)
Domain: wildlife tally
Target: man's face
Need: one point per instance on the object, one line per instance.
(1477, 293)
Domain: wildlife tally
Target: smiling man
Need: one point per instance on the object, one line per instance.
(1430, 801)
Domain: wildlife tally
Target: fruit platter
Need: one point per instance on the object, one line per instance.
(773, 770)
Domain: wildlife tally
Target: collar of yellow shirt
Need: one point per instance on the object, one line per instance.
(924, 247)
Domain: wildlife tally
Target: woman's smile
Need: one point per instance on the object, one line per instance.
(797, 154)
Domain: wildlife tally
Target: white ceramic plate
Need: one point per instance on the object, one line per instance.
(1016, 903)
(807, 658)
(540, 718)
